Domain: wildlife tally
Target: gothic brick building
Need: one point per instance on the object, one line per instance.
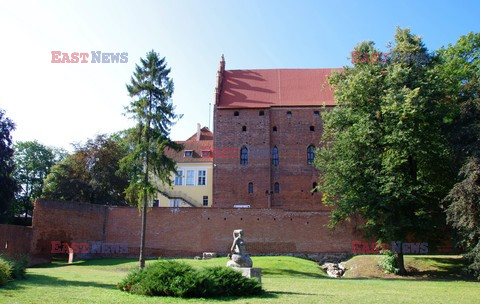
(267, 123)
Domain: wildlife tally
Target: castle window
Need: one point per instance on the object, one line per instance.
(316, 114)
(250, 187)
(243, 156)
(276, 188)
(275, 156)
(244, 128)
(289, 114)
(261, 113)
(236, 113)
(310, 154)
(274, 129)
(312, 128)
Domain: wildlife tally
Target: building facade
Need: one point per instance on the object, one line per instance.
(267, 125)
(192, 185)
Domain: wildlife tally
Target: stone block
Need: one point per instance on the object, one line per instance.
(250, 272)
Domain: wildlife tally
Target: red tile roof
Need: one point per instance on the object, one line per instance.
(205, 143)
(276, 88)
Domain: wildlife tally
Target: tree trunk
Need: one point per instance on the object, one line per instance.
(400, 263)
(145, 184)
(144, 226)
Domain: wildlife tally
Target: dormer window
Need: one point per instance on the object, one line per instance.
(188, 153)
(206, 153)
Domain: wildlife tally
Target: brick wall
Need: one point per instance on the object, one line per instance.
(187, 231)
(294, 175)
(15, 240)
(65, 222)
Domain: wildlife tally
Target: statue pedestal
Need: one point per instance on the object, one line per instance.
(250, 272)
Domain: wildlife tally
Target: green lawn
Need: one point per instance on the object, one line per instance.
(286, 279)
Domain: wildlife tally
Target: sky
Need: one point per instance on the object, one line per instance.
(63, 103)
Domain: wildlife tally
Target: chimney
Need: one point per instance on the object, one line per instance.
(198, 132)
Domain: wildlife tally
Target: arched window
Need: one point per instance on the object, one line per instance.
(275, 156)
(276, 188)
(289, 114)
(310, 154)
(314, 188)
(243, 156)
(250, 187)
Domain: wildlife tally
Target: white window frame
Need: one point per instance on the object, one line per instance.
(193, 178)
(179, 177)
(204, 177)
(174, 203)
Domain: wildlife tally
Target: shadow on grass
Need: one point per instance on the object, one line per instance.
(90, 262)
(43, 280)
(292, 273)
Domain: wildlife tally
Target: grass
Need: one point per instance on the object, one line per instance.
(286, 279)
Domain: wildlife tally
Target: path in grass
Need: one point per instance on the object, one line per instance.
(286, 279)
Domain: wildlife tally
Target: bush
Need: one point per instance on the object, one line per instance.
(18, 266)
(223, 281)
(170, 278)
(388, 262)
(5, 272)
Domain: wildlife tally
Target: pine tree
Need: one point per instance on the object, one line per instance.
(153, 110)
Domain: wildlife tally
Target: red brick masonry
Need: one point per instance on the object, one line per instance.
(185, 232)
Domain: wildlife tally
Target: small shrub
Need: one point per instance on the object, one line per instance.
(170, 278)
(18, 266)
(5, 271)
(226, 282)
(388, 262)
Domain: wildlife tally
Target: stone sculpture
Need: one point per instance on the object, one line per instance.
(238, 255)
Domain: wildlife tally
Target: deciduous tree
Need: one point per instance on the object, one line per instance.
(8, 186)
(383, 155)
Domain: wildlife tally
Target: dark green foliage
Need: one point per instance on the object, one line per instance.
(226, 282)
(5, 271)
(18, 266)
(151, 89)
(460, 69)
(91, 174)
(32, 164)
(12, 268)
(170, 278)
(8, 185)
(383, 155)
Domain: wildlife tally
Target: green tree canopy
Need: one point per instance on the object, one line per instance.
(8, 186)
(383, 155)
(32, 164)
(91, 174)
(151, 89)
(460, 70)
